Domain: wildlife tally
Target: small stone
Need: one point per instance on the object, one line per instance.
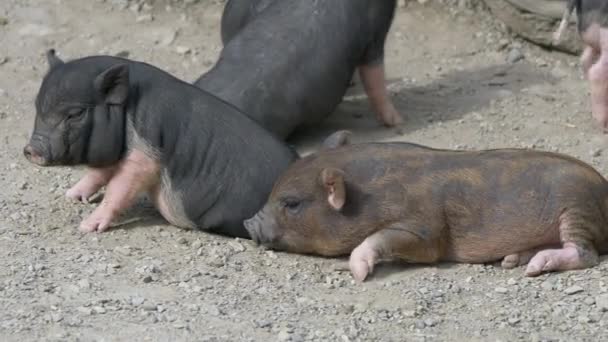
(514, 56)
(589, 301)
(15, 216)
(84, 284)
(137, 301)
(3, 21)
(284, 335)
(584, 319)
(3, 60)
(547, 285)
(197, 244)
(182, 50)
(144, 18)
(214, 310)
(147, 279)
(511, 282)
(99, 310)
(84, 310)
(501, 290)
(429, 322)
(602, 302)
(573, 290)
(596, 152)
(126, 250)
(182, 240)
(513, 320)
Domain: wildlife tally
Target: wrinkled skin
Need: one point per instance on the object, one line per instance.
(593, 27)
(383, 201)
(288, 63)
(142, 131)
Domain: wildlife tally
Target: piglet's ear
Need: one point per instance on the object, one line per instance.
(333, 181)
(337, 139)
(52, 59)
(113, 84)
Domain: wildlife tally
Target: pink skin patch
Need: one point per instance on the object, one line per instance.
(93, 180)
(362, 261)
(563, 259)
(595, 65)
(374, 83)
(137, 173)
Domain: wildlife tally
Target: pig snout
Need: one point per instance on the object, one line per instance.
(34, 156)
(262, 229)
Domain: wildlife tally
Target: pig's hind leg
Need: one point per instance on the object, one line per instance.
(597, 74)
(392, 243)
(577, 252)
(93, 180)
(374, 83)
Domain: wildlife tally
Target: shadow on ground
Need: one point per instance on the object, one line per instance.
(450, 97)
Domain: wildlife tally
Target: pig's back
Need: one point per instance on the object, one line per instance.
(486, 204)
(292, 64)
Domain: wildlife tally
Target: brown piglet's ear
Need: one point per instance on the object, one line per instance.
(333, 181)
(337, 139)
(52, 59)
(113, 84)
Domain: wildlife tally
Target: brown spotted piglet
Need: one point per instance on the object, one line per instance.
(385, 201)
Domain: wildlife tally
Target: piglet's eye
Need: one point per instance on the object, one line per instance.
(75, 112)
(292, 205)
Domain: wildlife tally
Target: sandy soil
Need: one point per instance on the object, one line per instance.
(458, 76)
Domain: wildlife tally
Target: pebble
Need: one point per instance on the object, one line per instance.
(602, 302)
(501, 290)
(144, 18)
(137, 301)
(182, 240)
(182, 50)
(284, 335)
(3, 21)
(514, 56)
(84, 284)
(147, 279)
(573, 290)
(589, 301)
(99, 310)
(596, 152)
(547, 285)
(197, 244)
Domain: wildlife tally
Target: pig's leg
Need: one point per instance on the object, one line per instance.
(134, 175)
(588, 58)
(598, 77)
(571, 257)
(374, 83)
(517, 259)
(576, 234)
(391, 243)
(93, 180)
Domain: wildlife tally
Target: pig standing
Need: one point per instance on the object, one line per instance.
(382, 201)
(593, 27)
(140, 130)
(288, 63)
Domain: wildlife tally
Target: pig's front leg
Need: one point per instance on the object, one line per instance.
(392, 243)
(93, 180)
(135, 174)
(374, 83)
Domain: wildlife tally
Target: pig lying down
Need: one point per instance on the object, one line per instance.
(593, 27)
(288, 63)
(383, 201)
(140, 130)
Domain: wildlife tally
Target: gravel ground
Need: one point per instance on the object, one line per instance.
(460, 79)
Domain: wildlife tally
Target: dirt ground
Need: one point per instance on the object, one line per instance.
(459, 77)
